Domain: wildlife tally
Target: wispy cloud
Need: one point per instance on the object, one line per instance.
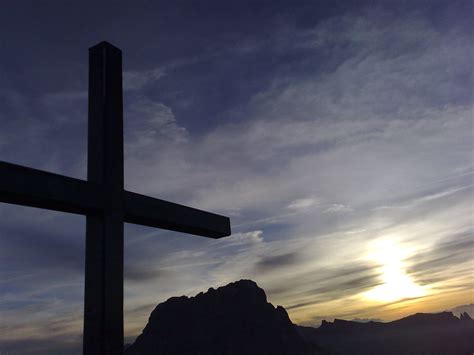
(136, 80)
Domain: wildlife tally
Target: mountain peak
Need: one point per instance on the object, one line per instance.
(427, 318)
(465, 316)
(232, 319)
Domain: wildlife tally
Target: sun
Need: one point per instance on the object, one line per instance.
(396, 284)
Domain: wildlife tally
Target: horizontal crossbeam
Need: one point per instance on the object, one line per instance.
(35, 188)
(152, 212)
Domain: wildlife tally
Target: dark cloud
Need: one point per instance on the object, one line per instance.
(30, 247)
(317, 286)
(143, 272)
(346, 287)
(270, 263)
(337, 290)
(434, 264)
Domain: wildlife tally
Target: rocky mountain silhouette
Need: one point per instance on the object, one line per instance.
(237, 319)
(466, 308)
(421, 333)
(465, 316)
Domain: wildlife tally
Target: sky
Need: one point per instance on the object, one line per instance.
(338, 137)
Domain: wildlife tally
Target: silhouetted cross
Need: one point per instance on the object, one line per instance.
(105, 203)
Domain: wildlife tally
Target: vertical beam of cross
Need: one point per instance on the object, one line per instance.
(105, 203)
(103, 300)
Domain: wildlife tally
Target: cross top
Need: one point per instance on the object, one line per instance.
(105, 203)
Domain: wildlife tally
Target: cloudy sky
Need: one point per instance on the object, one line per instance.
(338, 136)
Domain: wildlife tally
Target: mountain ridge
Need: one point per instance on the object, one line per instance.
(238, 319)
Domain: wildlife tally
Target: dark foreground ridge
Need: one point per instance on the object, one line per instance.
(421, 333)
(237, 320)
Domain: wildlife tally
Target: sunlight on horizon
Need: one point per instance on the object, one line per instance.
(397, 283)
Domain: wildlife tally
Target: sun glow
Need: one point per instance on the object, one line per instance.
(396, 283)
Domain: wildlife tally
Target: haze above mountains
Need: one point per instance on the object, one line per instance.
(237, 319)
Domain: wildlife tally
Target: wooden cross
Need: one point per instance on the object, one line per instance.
(105, 203)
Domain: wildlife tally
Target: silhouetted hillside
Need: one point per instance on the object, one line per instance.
(234, 319)
(237, 320)
(421, 333)
(467, 308)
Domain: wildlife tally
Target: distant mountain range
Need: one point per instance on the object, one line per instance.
(421, 333)
(467, 308)
(237, 320)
